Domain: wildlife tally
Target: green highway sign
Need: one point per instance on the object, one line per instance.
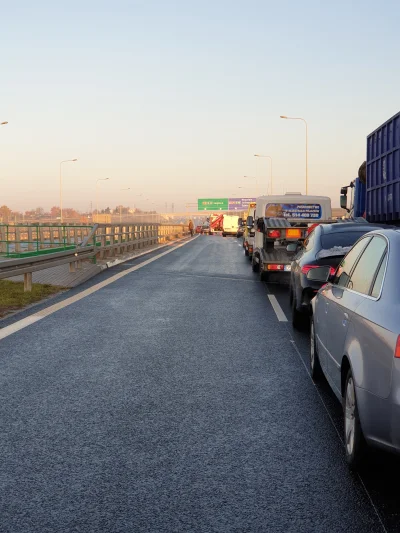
(212, 204)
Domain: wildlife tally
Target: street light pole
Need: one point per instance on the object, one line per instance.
(120, 214)
(303, 120)
(97, 195)
(61, 210)
(270, 166)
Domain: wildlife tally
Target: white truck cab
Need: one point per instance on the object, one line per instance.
(281, 220)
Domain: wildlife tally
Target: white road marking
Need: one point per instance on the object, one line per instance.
(277, 308)
(21, 324)
(25, 322)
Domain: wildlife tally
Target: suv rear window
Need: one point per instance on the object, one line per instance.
(342, 238)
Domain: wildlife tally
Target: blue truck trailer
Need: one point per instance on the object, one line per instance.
(375, 193)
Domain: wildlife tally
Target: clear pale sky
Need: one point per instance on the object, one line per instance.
(173, 98)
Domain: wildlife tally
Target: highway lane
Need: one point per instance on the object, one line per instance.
(170, 400)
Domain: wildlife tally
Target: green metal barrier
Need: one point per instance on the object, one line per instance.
(25, 240)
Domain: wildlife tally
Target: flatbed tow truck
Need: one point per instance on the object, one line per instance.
(281, 223)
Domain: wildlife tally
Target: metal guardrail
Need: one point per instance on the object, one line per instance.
(22, 240)
(18, 241)
(101, 241)
(28, 265)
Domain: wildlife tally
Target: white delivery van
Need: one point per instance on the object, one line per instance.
(230, 225)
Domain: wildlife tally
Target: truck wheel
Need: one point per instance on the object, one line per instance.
(223, 235)
(246, 252)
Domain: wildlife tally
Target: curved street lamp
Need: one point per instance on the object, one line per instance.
(303, 120)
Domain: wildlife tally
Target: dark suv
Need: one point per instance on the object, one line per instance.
(327, 244)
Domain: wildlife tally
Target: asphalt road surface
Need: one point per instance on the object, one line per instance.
(165, 395)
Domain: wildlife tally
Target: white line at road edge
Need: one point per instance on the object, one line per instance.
(277, 308)
(25, 322)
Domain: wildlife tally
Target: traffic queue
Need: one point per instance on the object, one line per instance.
(344, 292)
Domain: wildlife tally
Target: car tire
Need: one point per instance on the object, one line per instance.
(298, 318)
(354, 441)
(315, 365)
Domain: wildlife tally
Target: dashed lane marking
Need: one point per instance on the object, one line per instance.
(277, 308)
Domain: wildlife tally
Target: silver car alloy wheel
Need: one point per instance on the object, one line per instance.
(349, 422)
(312, 346)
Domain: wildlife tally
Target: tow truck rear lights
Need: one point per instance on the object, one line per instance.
(275, 267)
(306, 268)
(293, 233)
(397, 350)
(274, 233)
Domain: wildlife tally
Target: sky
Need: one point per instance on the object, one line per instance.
(172, 99)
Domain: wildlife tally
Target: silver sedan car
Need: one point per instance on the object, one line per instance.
(355, 341)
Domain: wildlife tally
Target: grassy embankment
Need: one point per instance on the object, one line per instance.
(13, 297)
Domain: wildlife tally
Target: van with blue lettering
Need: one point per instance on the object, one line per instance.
(280, 224)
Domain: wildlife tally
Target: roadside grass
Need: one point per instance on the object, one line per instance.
(13, 297)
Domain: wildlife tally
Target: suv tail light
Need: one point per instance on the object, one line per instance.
(397, 350)
(306, 268)
(274, 233)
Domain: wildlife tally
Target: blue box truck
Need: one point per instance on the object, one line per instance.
(375, 193)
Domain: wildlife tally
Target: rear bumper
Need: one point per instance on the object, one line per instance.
(307, 294)
(279, 268)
